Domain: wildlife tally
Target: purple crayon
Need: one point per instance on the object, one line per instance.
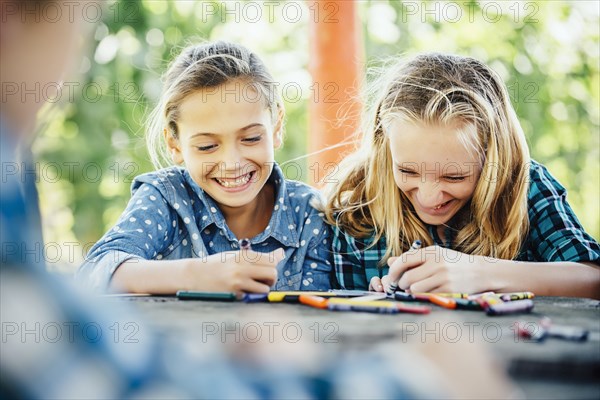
(510, 307)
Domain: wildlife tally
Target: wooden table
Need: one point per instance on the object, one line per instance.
(552, 369)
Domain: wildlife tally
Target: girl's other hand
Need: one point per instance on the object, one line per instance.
(376, 284)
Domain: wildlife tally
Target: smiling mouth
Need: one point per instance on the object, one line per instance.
(235, 182)
(442, 205)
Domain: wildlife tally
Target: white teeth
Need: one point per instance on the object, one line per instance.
(240, 181)
(441, 205)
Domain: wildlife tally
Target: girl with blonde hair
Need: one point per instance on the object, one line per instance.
(444, 160)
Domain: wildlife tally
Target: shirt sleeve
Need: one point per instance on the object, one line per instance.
(145, 230)
(355, 262)
(555, 233)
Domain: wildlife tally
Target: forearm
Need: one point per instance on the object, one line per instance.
(569, 279)
(149, 276)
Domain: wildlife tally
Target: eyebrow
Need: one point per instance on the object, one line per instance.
(247, 127)
(450, 173)
(406, 167)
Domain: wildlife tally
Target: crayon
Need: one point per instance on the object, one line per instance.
(545, 328)
(352, 301)
(516, 296)
(568, 333)
(255, 297)
(385, 307)
(372, 309)
(445, 302)
(394, 285)
(313, 301)
(421, 296)
(413, 309)
(209, 296)
(454, 295)
(488, 299)
(536, 333)
(403, 296)
(293, 296)
(465, 304)
(510, 307)
(475, 296)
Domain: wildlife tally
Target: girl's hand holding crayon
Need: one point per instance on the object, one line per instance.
(436, 269)
(244, 271)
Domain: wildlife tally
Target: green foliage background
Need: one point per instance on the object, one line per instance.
(92, 146)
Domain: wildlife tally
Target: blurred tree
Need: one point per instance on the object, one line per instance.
(92, 147)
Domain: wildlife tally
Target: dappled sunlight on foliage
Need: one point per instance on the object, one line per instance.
(547, 52)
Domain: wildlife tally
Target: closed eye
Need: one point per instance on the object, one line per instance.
(206, 148)
(455, 178)
(253, 139)
(406, 171)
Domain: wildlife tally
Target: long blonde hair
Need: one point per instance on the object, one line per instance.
(438, 89)
(202, 66)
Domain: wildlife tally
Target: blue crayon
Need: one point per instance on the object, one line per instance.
(255, 297)
(357, 307)
(403, 296)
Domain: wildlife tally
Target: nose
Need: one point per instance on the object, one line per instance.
(429, 194)
(231, 159)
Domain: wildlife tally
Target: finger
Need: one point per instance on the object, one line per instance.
(251, 286)
(408, 260)
(385, 282)
(391, 260)
(266, 275)
(375, 284)
(414, 275)
(428, 285)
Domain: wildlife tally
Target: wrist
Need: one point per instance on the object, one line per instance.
(184, 274)
(497, 273)
(509, 277)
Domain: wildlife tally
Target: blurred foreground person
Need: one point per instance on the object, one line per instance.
(58, 344)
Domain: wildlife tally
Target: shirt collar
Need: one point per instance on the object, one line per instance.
(282, 225)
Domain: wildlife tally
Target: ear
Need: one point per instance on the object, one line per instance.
(174, 147)
(278, 130)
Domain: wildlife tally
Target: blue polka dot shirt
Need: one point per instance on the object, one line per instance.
(170, 217)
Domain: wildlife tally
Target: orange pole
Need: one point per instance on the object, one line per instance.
(336, 60)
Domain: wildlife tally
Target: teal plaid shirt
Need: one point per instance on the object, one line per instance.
(554, 234)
